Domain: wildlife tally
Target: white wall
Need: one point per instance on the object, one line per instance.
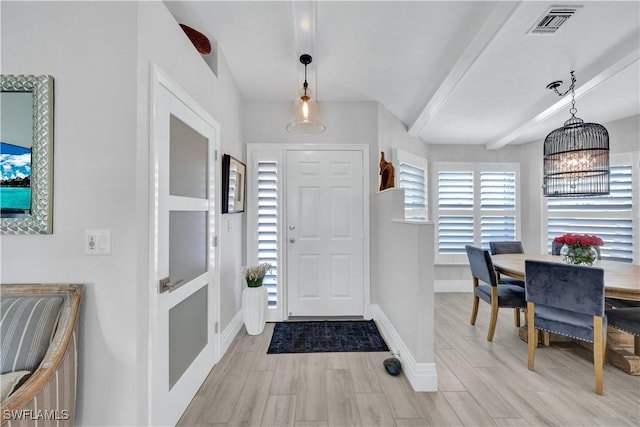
(531, 198)
(346, 122)
(89, 49)
(624, 135)
(392, 133)
(404, 272)
(98, 55)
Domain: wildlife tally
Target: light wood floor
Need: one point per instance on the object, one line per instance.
(479, 383)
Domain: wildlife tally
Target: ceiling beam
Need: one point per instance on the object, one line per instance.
(624, 56)
(476, 47)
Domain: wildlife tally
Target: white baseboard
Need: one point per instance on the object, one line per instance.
(422, 376)
(230, 332)
(452, 285)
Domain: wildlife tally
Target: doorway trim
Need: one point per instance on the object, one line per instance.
(277, 152)
(160, 81)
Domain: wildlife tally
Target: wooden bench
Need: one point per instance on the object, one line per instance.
(49, 394)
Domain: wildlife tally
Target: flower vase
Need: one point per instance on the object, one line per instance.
(254, 309)
(578, 254)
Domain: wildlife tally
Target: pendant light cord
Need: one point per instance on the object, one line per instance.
(305, 85)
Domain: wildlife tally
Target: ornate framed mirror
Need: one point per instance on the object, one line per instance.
(26, 154)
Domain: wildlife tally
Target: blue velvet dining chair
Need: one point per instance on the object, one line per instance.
(492, 291)
(555, 248)
(507, 247)
(566, 300)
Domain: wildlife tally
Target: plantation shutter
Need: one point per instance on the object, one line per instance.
(268, 226)
(498, 205)
(609, 217)
(412, 179)
(455, 226)
(477, 204)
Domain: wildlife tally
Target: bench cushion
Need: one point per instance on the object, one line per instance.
(10, 382)
(27, 325)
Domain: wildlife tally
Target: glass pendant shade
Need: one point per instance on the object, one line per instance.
(576, 160)
(305, 117)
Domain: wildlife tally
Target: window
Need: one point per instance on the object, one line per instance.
(498, 201)
(609, 217)
(268, 225)
(455, 212)
(263, 214)
(476, 203)
(412, 176)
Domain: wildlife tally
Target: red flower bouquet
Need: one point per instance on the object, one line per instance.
(579, 239)
(578, 248)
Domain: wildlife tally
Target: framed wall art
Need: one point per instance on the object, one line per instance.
(233, 184)
(26, 154)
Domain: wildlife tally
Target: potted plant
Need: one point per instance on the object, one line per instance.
(254, 298)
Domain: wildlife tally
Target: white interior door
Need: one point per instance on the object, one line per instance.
(184, 287)
(325, 233)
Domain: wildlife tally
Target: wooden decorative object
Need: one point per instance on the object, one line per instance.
(387, 173)
(199, 40)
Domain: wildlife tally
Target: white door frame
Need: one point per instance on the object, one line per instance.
(188, 384)
(277, 152)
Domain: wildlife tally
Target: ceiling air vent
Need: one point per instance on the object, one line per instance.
(553, 19)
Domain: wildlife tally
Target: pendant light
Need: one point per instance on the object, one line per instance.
(576, 156)
(305, 114)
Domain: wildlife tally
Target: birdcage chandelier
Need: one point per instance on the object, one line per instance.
(576, 156)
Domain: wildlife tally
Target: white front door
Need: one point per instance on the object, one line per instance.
(183, 298)
(325, 233)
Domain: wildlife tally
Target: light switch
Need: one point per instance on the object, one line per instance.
(97, 242)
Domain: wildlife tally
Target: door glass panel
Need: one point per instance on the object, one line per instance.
(187, 333)
(188, 162)
(187, 244)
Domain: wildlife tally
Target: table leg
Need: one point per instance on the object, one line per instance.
(619, 351)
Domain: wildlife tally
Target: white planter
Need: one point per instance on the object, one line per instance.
(254, 309)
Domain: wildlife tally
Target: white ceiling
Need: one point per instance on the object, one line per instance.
(453, 72)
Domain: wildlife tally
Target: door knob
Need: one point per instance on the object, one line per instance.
(167, 285)
(292, 240)
(292, 227)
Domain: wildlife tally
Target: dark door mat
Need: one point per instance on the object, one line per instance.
(326, 337)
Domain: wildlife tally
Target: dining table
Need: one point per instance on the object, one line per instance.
(621, 280)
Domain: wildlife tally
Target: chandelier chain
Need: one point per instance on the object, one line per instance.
(571, 89)
(573, 109)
